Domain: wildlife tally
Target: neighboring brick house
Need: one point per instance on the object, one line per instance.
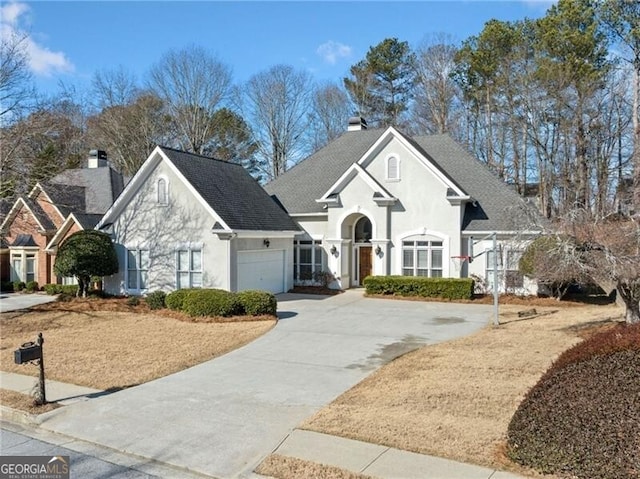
(38, 222)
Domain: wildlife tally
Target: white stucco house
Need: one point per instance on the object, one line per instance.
(186, 220)
(377, 202)
(372, 202)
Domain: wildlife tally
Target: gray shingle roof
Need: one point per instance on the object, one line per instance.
(232, 193)
(298, 188)
(66, 198)
(39, 213)
(24, 240)
(101, 187)
(496, 202)
(86, 220)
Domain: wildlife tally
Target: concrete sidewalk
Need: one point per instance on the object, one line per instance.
(56, 391)
(379, 461)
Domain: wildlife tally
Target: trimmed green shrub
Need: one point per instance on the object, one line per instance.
(156, 299)
(256, 303)
(445, 288)
(6, 287)
(581, 419)
(60, 288)
(175, 299)
(19, 285)
(133, 301)
(211, 302)
(32, 286)
(65, 297)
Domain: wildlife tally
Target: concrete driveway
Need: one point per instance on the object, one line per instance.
(222, 417)
(18, 301)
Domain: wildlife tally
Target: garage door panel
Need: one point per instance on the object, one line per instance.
(261, 270)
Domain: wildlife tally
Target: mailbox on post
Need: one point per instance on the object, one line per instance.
(27, 352)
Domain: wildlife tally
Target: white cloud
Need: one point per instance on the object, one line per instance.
(331, 51)
(42, 61)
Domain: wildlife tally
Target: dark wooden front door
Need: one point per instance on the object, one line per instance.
(364, 262)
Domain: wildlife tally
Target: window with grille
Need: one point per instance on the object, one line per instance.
(422, 258)
(189, 268)
(137, 269)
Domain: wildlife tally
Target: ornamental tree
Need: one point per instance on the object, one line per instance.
(85, 254)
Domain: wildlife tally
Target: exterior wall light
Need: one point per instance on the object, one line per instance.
(334, 251)
(378, 250)
(266, 242)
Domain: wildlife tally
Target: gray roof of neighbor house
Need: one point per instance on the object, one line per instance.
(231, 192)
(495, 202)
(101, 187)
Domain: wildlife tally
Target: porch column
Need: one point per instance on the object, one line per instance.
(381, 259)
(338, 262)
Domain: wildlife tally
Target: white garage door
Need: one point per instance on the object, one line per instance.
(261, 270)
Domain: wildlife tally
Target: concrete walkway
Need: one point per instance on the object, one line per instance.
(379, 461)
(222, 417)
(56, 391)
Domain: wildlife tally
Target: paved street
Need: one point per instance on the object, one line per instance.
(222, 417)
(87, 461)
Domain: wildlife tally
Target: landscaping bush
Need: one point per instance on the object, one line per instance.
(133, 301)
(175, 299)
(256, 303)
(6, 287)
(32, 287)
(156, 300)
(211, 302)
(445, 288)
(19, 285)
(582, 418)
(65, 297)
(52, 289)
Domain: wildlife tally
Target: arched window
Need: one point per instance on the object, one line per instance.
(393, 168)
(363, 231)
(163, 193)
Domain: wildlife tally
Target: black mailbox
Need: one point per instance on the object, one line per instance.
(27, 352)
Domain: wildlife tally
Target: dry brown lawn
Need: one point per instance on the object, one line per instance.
(24, 402)
(284, 467)
(456, 399)
(111, 349)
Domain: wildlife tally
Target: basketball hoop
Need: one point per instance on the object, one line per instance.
(458, 261)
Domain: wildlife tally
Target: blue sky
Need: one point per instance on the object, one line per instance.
(69, 41)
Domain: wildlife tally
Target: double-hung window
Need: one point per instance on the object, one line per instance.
(137, 269)
(307, 259)
(422, 258)
(188, 268)
(508, 268)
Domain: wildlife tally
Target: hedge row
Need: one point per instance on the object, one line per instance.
(61, 288)
(219, 302)
(446, 288)
(582, 418)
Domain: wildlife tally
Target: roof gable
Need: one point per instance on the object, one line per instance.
(233, 199)
(38, 214)
(354, 171)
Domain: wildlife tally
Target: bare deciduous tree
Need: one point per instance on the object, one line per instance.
(436, 92)
(330, 109)
(277, 102)
(16, 89)
(193, 84)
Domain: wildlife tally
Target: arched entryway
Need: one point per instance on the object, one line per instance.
(363, 252)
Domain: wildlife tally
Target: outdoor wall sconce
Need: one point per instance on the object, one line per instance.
(266, 242)
(334, 251)
(378, 250)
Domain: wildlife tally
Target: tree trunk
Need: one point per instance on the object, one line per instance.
(636, 137)
(630, 294)
(80, 291)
